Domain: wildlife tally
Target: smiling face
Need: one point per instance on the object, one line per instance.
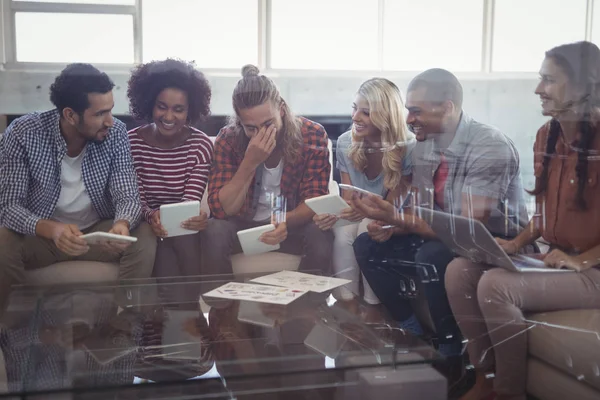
(361, 119)
(425, 118)
(555, 89)
(170, 112)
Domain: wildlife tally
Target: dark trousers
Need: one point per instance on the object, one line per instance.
(385, 278)
(220, 242)
(178, 256)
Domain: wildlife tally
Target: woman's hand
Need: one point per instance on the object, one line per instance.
(374, 207)
(509, 246)
(157, 228)
(558, 259)
(325, 221)
(197, 224)
(351, 215)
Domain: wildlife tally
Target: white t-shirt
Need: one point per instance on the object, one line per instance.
(271, 186)
(74, 205)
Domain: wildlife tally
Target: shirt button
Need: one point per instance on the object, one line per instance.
(572, 181)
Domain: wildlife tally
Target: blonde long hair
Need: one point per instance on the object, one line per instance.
(255, 89)
(387, 114)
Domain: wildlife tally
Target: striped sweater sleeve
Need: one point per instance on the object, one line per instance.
(198, 180)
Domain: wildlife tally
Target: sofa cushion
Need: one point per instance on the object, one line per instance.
(548, 383)
(73, 272)
(569, 341)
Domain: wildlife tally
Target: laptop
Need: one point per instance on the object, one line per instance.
(469, 238)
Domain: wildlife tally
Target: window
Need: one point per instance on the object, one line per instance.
(103, 2)
(596, 23)
(324, 34)
(423, 34)
(524, 30)
(63, 37)
(215, 34)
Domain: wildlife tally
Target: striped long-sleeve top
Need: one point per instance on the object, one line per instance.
(167, 176)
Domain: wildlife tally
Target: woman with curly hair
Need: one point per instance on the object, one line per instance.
(171, 158)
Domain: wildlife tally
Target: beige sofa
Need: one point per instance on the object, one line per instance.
(564, 352)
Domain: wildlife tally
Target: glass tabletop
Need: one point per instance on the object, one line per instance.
(159, 338)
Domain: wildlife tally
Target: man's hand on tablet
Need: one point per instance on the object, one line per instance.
(119, 228)
(198, 223)
(66, 238)
(276, 236)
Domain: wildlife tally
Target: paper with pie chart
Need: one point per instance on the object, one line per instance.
(257, 293)
(301, 281)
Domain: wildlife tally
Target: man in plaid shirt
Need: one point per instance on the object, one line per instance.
(267, 156)
(65, 173)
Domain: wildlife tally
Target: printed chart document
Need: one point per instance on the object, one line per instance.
(301, 281)
(258, 293)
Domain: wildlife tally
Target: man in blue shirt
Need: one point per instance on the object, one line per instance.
(65, 173)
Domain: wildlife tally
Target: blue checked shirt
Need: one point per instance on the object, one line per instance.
(31, 153)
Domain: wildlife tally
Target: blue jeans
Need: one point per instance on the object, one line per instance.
(385, 280)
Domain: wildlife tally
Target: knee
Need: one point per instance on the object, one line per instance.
(344, 236)
(461, 277)
(144, 248)
(11, 252)
(10, 243)
(146, 240)
(494, 288)
(435, 253)
(362, 246)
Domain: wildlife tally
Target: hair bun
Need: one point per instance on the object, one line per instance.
(249, 70)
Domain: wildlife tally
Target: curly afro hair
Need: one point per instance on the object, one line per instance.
(148, 80)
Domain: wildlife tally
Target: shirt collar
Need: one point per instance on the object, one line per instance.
(458, 142)
(54, 125)
(456, 145)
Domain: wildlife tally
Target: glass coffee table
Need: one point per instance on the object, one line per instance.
(162, 339)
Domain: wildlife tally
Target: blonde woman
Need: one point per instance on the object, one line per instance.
(373, 155)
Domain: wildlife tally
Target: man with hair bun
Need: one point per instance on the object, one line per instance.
(267, 151)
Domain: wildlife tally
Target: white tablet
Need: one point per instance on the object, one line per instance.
(330, 204)
(250, 243)
(172, 215)
(357, 189)
(103, 237)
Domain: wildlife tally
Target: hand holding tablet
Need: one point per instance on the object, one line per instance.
(103, 238)
(181, 218)
(357, 190)
(250, 240)
(331, 205)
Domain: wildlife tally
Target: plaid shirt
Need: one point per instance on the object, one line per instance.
(31, 153)
(308, 177)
